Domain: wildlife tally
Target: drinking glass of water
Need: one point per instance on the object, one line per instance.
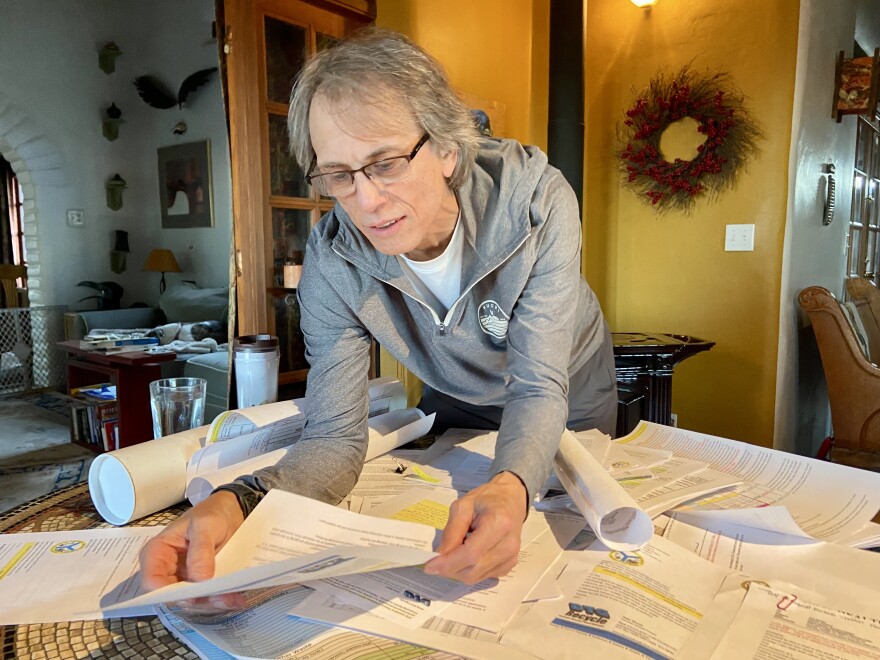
(178, 404)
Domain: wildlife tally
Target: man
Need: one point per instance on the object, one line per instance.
(461, 256)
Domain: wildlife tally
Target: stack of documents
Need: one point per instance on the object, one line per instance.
(749, 557)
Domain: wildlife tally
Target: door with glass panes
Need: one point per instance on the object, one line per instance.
(863, 244)
(266, 43)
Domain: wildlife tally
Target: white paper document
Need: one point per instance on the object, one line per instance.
(263, 629)
(491, 604)
(767, 555)
(775, 625)
(620, 604)
(613, 514)
(61, 576)
(827, 500)
(201, 486)
(410, 598)
(463, 468)
(218, 455)
(676, 481)
(290, 539)
(384, 394)
(326, 609)
(407, 596)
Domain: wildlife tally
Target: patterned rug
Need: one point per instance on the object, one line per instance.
(36, 455)
(51, 401)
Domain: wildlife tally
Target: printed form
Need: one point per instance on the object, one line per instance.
(61, 576)
(829, 501)
(406, 596)
(273, 548)
(262, 629)
(776, 625)
(620, 604)
(762, 555)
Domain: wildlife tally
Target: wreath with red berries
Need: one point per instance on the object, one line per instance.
(718, 107)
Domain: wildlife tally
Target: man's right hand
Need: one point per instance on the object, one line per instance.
(185, 550)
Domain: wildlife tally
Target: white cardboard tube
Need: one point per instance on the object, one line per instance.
(136, 481)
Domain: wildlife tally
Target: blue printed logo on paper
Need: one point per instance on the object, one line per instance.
(65, 547)
(628, 558)
(493, 320)
(583, 618)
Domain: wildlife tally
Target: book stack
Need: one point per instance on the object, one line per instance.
(95, 416)
(118, 343)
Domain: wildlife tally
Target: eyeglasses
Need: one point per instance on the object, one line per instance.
(388, 170)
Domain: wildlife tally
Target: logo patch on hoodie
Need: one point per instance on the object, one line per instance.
(493, 320)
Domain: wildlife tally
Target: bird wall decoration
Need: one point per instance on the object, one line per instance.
(157, 95)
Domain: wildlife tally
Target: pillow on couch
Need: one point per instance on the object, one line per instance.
(187, 302)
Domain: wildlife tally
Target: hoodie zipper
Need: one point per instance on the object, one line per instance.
(442, 325)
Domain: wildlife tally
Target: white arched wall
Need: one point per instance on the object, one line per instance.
(38, 164)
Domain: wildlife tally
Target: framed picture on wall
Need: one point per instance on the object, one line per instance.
(185, 193)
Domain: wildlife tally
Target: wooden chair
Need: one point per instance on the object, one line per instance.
(851, 373)
(861, 290)
(12, 296)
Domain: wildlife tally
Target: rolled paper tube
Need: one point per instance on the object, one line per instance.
(136, 481)
(386, 432)
(292, 275)
(614, 516)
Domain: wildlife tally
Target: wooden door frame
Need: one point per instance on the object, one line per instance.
(251, 209)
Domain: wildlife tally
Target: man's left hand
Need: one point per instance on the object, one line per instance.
(482, 536)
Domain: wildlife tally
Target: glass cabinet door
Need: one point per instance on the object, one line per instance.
(289, 32)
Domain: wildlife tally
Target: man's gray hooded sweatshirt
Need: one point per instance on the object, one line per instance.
(525, 321)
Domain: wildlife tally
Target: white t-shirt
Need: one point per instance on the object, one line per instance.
(441, 275)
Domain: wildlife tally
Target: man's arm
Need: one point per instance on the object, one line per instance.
(324, 464)
(482, 537)
(540, 337)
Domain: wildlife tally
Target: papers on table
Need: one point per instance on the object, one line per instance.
(829, 502)
(59, 576)
(620, 604)
(263, 629)
(682, 594)
(774, 624)
(273, 547)
(768, 555)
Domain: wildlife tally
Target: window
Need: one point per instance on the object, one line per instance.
(12, 246)
(863, 242)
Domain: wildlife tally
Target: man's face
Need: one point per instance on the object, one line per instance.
(414, 216)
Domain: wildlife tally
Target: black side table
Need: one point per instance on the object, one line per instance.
(644, 362)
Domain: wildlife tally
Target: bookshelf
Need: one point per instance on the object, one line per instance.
(94, 420)
(131, 373)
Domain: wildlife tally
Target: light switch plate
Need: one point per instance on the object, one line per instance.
(75, 217)
(739, 238)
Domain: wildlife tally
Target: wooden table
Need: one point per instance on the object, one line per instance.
(131, 372)
(142, 638)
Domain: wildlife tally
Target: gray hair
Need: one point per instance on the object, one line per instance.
(379, 66)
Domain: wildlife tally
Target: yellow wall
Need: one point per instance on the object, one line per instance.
(493, 49)
(497, 50)
(669, 273)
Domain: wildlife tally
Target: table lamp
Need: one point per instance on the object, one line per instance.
(161, 261)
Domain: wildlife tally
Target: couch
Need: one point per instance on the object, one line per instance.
(184, 302)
